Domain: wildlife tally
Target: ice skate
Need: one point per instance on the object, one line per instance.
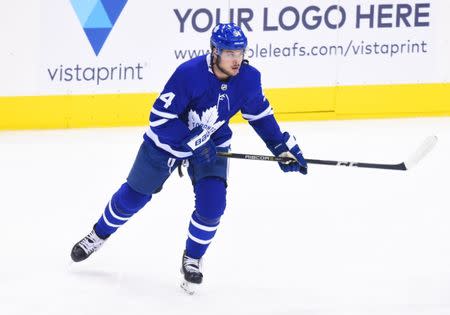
(191, 270)
(84, 248)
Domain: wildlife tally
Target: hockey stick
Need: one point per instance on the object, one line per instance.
(420, 153)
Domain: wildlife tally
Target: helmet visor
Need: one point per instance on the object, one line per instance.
(232, 54)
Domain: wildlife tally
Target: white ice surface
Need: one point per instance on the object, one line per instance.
(338, 241)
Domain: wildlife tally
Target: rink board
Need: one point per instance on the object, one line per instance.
(345, 102)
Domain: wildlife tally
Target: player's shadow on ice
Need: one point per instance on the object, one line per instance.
(99, 275)
(136, 284)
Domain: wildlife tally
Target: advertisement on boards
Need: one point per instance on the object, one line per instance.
(121, 46)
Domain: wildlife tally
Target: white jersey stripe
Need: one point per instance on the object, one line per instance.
(166, 147)
(159, 122)
(164, 114)
(225, 144)
(268, 111)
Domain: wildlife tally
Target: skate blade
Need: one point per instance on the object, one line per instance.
(189, 287)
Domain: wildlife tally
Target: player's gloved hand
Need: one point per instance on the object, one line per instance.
(202, 147)
(288, 147)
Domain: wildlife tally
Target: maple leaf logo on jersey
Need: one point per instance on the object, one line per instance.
(208, 120)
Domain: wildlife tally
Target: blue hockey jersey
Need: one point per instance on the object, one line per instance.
(194, 96)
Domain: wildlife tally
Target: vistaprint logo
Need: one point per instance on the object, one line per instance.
(98, 17)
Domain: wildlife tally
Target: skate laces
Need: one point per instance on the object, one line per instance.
(192, 264)
(91, 242)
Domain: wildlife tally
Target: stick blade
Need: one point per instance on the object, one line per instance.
(427, 145)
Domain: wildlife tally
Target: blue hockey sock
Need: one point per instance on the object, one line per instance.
(201, 232)
(123, 204)
(210, 201)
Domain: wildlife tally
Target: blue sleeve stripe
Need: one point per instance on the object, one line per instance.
(164, 114)
(268, 111)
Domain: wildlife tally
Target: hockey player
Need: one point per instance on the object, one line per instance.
(189, 122)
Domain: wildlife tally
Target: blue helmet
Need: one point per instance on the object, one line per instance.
(228, 36)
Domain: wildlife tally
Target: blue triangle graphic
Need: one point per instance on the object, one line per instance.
(114, 8)
(97, 37)
(98, 18)
(83, 8)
